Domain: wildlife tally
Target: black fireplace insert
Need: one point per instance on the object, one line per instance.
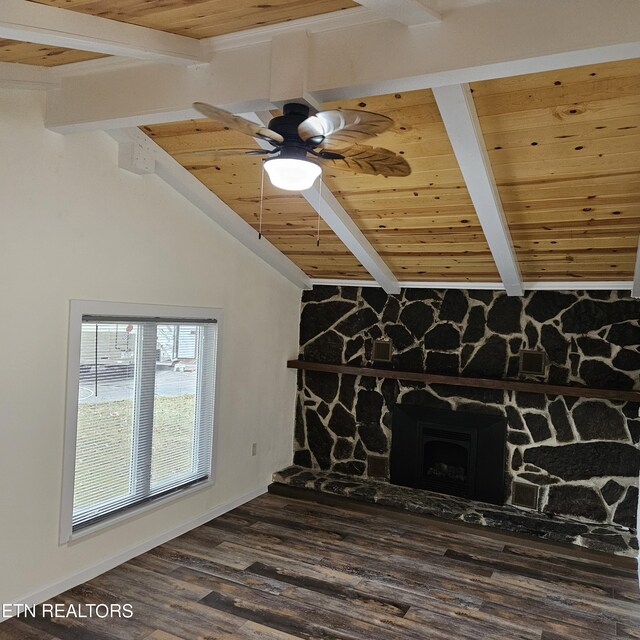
(452, 452)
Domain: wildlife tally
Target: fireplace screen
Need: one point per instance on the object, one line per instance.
(445, 460)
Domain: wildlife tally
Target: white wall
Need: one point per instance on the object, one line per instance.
(73, 225)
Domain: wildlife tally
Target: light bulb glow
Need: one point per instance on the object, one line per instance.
(292, 174)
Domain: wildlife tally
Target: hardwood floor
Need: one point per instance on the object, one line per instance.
(281, 568)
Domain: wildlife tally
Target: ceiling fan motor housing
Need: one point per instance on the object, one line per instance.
(287, 124)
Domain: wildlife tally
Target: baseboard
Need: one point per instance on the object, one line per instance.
(88, 574)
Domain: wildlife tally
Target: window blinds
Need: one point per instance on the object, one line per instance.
(145, 412)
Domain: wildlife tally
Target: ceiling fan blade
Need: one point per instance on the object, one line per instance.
(337, 128)
(238, 123)
(375, 161)
(218, 153)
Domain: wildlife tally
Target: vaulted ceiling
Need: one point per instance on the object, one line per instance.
(548, 195)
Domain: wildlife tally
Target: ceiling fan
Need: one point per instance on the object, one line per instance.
(301, 143)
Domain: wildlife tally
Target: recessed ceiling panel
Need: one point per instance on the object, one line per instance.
(565, 151)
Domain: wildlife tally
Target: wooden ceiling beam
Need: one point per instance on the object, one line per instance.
(334, 214)
(501, 38)
(407, 12)
(461, 122)
(139, 154)
(156, 93)
(41, 24)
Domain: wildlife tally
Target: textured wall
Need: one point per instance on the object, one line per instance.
(582, 453)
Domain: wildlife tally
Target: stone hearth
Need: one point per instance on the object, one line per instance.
(607, 538)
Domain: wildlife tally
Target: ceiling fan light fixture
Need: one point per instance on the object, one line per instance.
(292, 174)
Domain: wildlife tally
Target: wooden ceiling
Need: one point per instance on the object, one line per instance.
(564, 149)
(192, 18)
(41, 55)
(424, 226)
(201, 18)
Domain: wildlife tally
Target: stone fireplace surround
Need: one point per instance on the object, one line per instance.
(582, 453)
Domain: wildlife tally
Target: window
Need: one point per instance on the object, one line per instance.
(140, 411)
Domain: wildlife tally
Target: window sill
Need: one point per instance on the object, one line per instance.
(74, 537)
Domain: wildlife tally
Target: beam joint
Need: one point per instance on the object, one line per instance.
(137, 156)
(408, 12)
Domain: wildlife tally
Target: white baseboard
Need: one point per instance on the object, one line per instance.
(87, 574)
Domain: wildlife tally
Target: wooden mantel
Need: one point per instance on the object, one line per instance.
(485, 383)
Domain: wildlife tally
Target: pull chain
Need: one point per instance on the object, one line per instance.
(261, 198)
(319, 204)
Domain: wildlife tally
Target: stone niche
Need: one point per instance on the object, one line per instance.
(583, 454)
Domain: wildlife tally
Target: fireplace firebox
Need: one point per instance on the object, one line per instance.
(452, 452)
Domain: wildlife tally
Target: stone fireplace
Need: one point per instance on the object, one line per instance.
(580, 454)
(453, 452)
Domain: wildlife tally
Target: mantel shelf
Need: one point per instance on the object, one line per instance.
(485, 383)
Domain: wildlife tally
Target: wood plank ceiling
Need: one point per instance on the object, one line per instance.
(565, 151)
(41, 55)
(193, 18)
(202, 18)
(424, 226)
(564, 148)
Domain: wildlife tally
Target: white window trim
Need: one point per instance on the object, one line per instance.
(78, 309)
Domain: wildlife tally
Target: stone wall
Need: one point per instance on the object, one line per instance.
(582, 453)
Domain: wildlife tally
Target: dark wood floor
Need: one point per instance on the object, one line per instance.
(280, 568)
